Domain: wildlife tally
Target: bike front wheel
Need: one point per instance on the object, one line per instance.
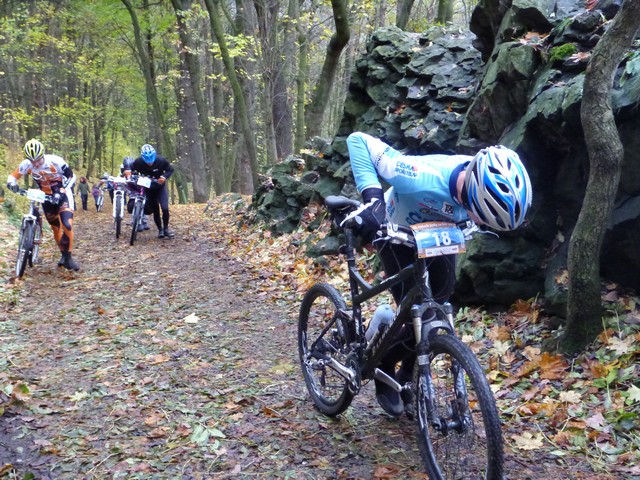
(118, 217)
(322, 340)
(136, 218)
(25, 246)
(458, 426)
(37, 241)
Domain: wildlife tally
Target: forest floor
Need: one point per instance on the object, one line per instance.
(177, 358)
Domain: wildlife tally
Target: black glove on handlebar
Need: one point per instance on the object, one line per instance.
(370, 215)
(56, 198)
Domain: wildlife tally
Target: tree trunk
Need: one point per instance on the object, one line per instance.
(190, 134)
(147, 71)
(403, 13)
(605, 157)
(193, 67)
(445, 11)
(301, 76)
(216, 27)
(315, 113)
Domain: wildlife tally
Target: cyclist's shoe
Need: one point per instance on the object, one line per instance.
(169, 233)
(161, 233)
(140, 227)
(61, 261)
(389, 399)
(69, 263)
(145, 225)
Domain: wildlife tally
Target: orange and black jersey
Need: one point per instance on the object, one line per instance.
(52, 175)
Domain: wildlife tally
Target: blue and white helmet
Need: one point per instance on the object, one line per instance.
(498, 188)
(148, 154)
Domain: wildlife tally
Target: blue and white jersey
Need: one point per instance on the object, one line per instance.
(421, 185)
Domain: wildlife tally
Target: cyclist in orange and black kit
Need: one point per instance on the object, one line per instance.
(54, 177)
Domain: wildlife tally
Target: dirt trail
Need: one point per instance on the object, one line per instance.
(170, 359)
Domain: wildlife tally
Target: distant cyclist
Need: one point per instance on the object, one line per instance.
(491, 188)
(151, 164)
(54, 177)
(83, 188)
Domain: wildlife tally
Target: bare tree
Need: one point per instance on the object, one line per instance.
(403, 13)
(605, 157)
(213, 7)
(315, 113)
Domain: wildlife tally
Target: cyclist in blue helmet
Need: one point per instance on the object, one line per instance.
(151, 164)
(491, 188)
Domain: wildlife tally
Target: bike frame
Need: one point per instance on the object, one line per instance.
(414, 305)
(118, 192)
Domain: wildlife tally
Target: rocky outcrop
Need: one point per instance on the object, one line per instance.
(515, 78)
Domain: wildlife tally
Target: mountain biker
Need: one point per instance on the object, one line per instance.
(491, 188)
(151, 164)
(54, 177)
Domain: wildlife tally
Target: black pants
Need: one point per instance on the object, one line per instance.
(84, 197)
(157, 201)
(442, 276)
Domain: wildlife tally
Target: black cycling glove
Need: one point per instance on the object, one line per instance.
(370, 215)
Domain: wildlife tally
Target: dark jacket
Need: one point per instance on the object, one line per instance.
(159, 168)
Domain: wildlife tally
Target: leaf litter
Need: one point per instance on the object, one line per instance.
(178, 359)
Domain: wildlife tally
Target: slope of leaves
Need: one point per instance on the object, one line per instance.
(588, 405)
(178, 359)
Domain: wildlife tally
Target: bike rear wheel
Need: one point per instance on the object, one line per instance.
(25, 246)
(463, 438)
(37, 240)
(322, 338)
(136, 218)
(118, 218)
(100, 203)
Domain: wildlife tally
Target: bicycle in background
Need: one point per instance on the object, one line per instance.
(119, 201)
(30, 237)
(457, 423)
(100, 200)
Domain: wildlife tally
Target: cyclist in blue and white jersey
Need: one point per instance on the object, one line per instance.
(491, 188)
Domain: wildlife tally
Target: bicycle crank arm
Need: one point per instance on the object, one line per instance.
(345, 372)
(384, 378)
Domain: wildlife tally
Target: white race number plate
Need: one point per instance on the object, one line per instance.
(144, 182)
(438, 238)
(36, 195)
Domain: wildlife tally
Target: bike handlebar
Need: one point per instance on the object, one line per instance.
(341, 206)
(23, 192)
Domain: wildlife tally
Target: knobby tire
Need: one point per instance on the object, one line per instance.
(118, 217)
(135, 220)
(25, 246)
(322, 335)
(37, 240)
(469, 446)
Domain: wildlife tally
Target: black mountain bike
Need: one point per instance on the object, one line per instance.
(457, 422)
(30, 236)
(138, 186)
